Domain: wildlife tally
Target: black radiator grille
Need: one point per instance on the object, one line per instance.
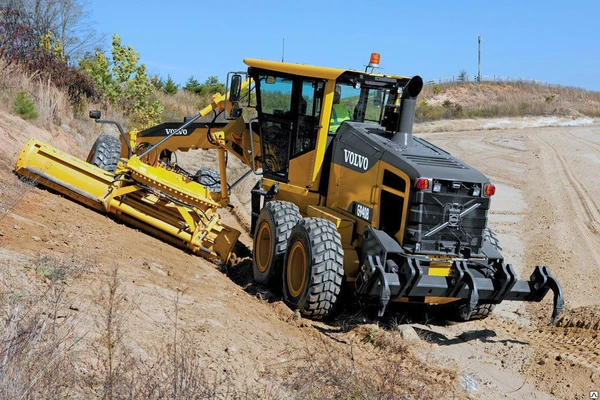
(446, 222)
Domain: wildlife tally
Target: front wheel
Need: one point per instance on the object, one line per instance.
(313, 268)
(105, 153)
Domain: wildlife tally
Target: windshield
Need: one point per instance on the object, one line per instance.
(362, 98)
(375, 99)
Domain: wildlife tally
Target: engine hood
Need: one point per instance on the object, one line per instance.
(360, 146)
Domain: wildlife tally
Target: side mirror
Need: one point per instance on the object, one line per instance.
(95, 114)
(236, 88)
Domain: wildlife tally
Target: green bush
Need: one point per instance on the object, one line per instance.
(436, 89)
(24, 106)
(524, 108)
(170, 87)
(210, 86)
(125, 83)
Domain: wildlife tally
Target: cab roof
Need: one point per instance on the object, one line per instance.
(310, 70)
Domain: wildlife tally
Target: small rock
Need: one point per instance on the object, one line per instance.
(16, 227)
(157, 268)
(1, 234)
(468, 384)
(408, 333)
(231, 350)
(559, 358)
(541, 362)
(296, 315)
(36, 238)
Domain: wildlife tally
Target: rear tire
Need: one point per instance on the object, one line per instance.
(314, 268)
(273, 227)
(105, 153)
(491, 237)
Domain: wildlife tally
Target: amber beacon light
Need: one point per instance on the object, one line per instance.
(374, 61)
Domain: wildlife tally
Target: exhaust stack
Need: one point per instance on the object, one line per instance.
(408, 105)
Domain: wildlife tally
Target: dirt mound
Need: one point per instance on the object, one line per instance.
(514, 98)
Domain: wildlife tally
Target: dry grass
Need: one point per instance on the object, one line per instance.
(490, 99)
(49, 349)
(53, 105)
(39, 333)
(182, 104)
(12, 190)
(390, 372)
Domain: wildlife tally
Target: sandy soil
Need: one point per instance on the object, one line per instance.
(545, 213)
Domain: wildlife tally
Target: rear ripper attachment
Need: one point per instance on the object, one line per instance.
(388, 274)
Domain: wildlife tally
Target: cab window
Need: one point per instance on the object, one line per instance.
(276, 95)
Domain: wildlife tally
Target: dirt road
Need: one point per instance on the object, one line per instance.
(546, 212)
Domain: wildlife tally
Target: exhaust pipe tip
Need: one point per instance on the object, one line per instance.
(413, 87)
(406, 117)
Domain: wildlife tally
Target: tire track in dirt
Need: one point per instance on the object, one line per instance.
(583, 197)
(504, 143)
(587, 143)
(578, 345)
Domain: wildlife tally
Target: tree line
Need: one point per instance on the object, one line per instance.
(55, 39)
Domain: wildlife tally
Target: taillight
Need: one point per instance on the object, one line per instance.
(489, 189)
(422, 184)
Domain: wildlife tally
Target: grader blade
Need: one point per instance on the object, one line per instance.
(63, 173)
(151, 198)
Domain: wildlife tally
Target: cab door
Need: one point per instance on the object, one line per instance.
(288, 111)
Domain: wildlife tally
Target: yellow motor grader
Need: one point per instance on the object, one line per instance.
(348, 197)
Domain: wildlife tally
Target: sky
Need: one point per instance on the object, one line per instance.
(551, 41)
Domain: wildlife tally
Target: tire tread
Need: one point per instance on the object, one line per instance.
(327, 267)
(105, 153)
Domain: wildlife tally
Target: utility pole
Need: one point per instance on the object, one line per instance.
(479, 59)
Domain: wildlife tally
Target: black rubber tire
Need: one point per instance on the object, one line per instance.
(209, 178)
(482, 311)
(105, 153)
(273, 227)
(491, 237)
(314, 268)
